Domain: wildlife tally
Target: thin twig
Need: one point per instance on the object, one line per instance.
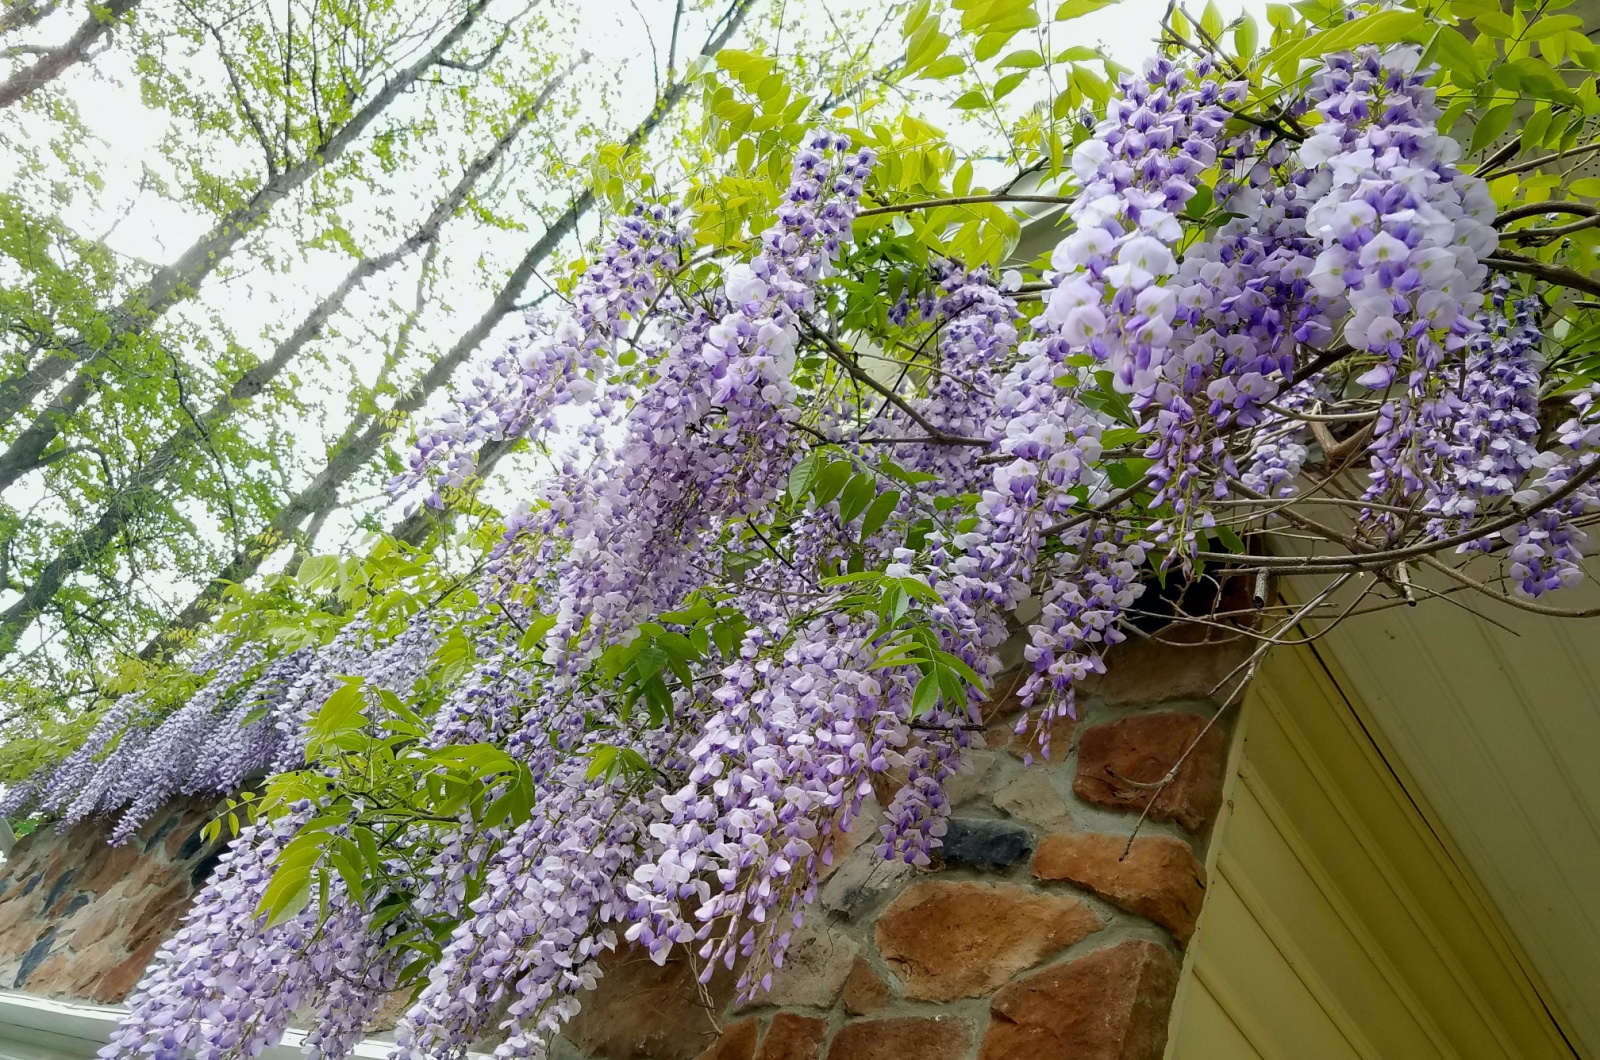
(1386, 559)
(1249, 667)
(844, 359)
(1535, 163)
(1543, 209)
(962, 200)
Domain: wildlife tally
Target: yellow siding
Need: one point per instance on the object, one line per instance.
(1336, 926)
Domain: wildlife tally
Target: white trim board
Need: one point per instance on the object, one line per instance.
(38, 1028)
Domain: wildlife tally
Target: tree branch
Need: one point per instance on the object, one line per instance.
(963, 200)
(54, 61)
(1510, 261)
(143, 306)
(845, 360)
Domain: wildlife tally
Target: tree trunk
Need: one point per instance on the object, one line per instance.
(181, 278)
(15, 620)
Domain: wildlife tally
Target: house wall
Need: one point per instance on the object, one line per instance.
(1337, 926)
(1034, 941)
(1035, 938)
(81, 919)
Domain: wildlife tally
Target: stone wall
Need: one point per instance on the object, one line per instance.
(1037, 939)
(1043, 935)
(81, 919)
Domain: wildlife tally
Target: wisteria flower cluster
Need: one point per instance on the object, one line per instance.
(131, 763)
(775, 570)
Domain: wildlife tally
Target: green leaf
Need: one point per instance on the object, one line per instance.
(804, 476)
(1588, 187)
(1385, 27)
(286, 895)
(903, 655)
(345, 857)
(910, 478)
(925, 696)
(1091, 84)
(971, 99)
(1246, 37)
(962, 182)
(650, 661)
(1490, 128)
(927, 46)
(1007, 84)
(368, 844)
(918, 588)
(387, 911)
(1124, 473)
(943, 68)
(856, 496)
(1078, 8)
(315, 571)
(831, 481)
(883, 505)
(1548, 25)
(341, 711)
(602, 761)
(915, 18)
(989, 45)
(1200, 204)
(1229, 539)
(892, 606)
(1023, 59)
(959, 665)
(1455, 53)
(534, 635)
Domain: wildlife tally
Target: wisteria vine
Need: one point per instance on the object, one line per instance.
(728, 618)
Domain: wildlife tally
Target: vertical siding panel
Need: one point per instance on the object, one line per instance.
(1209, 1033)
(1251, 977)
(1335, 925)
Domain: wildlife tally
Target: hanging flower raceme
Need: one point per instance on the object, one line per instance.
(516, 392)
(227, 984)
(1547, 550)
(1491, 442)
(1402, 230)
(780, 773)
(132, 763)
(1110, 304)
(709, 438)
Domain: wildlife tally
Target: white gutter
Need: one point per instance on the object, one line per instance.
(37, 1028)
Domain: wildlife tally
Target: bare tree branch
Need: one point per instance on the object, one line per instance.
(141, 308)
(54, 61)
(125, 505)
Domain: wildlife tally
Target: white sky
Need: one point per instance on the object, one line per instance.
(265, 304)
